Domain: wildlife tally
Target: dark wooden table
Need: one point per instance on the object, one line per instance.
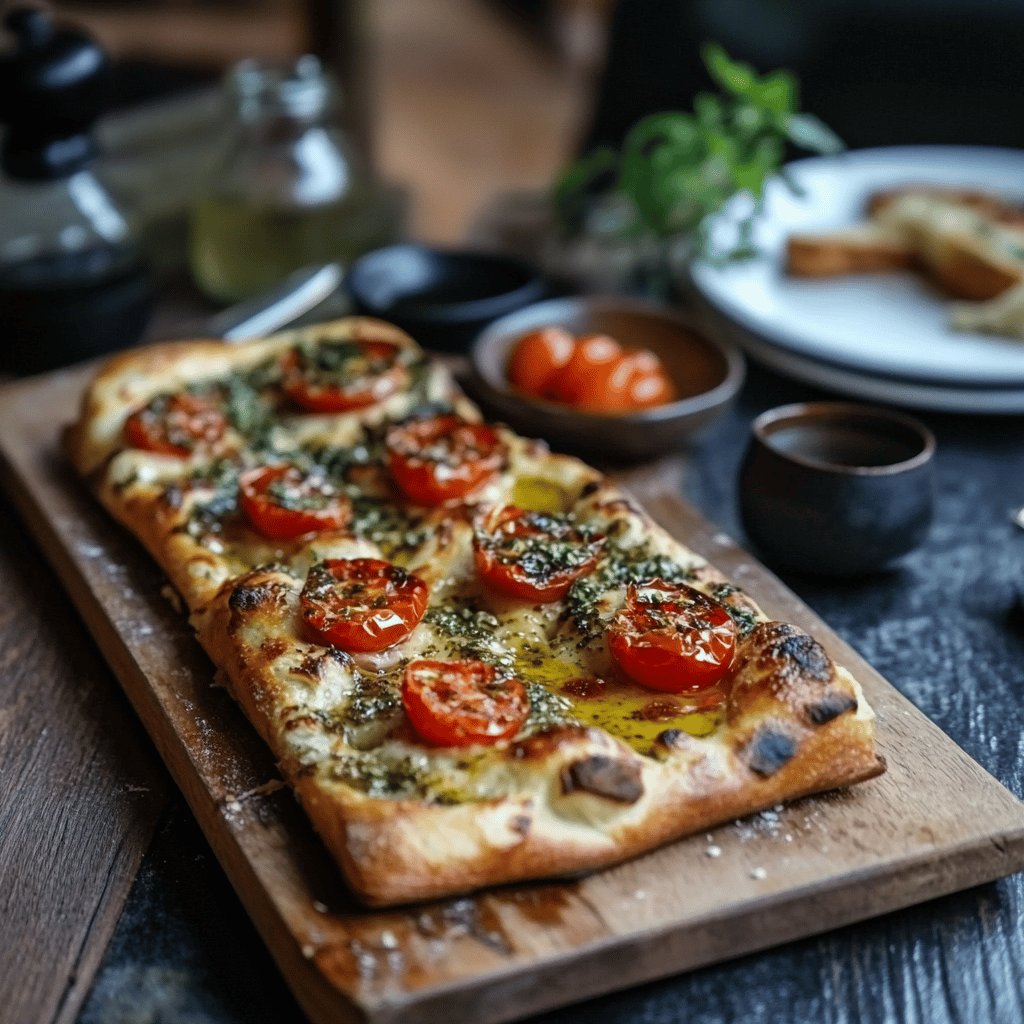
(947, 628)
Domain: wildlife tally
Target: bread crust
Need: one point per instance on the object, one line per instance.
(973, 250)
(561, 797)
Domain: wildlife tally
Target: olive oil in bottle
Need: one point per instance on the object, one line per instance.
(290, 191)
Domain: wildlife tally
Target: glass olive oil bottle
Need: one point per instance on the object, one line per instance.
(289, 191)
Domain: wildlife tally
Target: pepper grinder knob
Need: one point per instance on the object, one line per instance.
(53, 86)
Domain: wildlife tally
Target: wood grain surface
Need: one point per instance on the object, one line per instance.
(80, 792)
(935, 823)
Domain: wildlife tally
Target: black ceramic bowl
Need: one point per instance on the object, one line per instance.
(837, 488)
(707, 374)
(443, 298)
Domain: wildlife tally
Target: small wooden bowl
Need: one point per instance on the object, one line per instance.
(707, 374)
(837, 488)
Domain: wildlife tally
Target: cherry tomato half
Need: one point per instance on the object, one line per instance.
(177, 424)
(538, 357)
(671, 637)
(592, 355)
(362, 604)
(342, 375)
(282, 502)
(459, 703)
(533, 555)
(442, 459)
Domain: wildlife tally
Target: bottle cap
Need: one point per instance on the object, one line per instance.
(53, 86)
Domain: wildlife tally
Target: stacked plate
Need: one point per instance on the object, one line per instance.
(883, 337)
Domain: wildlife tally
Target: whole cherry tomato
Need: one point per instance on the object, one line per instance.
(636, 380)
(460, 703)
(593, 354)
(669, 636)
(533, 555)
(342, 375)
(362, 604)
(177, 424)
(538, 357)
(442, 459)
(282, 502)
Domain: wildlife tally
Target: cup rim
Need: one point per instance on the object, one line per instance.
(804, 412)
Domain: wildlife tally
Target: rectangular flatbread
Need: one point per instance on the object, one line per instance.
(440, 628)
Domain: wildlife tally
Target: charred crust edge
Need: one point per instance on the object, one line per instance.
(246, 599)
(770, 748)
(831, 705)
(607, 777)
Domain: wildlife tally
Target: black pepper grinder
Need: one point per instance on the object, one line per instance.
(72, 284)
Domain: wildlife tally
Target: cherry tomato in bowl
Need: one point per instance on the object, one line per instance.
(283, 502)
(534, 556)
(670, 636)
(341, 376)
(361, 604)
(178, 424)
(538, 358)
(442, 459)
(461, 703)
(592, 356)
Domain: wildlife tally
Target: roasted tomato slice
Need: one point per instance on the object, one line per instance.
(438, 460)
(671, 637)
(342, 375)
(362, 604)
(534, 556)
(459, 703)
(282, 502)
(177, 424)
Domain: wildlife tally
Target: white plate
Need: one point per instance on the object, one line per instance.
(888, 390)
(886, 325)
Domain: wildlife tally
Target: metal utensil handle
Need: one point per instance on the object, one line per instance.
(259, 316)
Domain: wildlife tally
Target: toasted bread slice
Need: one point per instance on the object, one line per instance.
(862, 249)
(962, 250)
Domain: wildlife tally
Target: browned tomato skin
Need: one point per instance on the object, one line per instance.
(179, 425)
(277, 522)
(462, 703)
(510, 578)
(329, 398)
(362, 605)
(443, 459)
(679, 641)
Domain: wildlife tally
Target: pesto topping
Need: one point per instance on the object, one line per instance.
(374, 698)
(547, 709)
(345, 362)
(475, 634)
(541, 545)
(743, 618)
(617, 568)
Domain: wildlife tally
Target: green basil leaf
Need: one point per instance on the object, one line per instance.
(810, 132)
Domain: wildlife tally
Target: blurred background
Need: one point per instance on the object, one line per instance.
(460, 99)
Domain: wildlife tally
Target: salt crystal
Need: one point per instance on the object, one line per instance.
(713, 851)
(308, 951)
(320, 908)
(758, 874)
(388, 940)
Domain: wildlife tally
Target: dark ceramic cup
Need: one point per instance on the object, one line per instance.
(835, 488)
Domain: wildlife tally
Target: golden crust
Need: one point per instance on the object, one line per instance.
(558, 799)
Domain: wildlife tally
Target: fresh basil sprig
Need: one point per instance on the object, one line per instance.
(676, 169)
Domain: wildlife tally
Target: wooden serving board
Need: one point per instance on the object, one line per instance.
(934, 823)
